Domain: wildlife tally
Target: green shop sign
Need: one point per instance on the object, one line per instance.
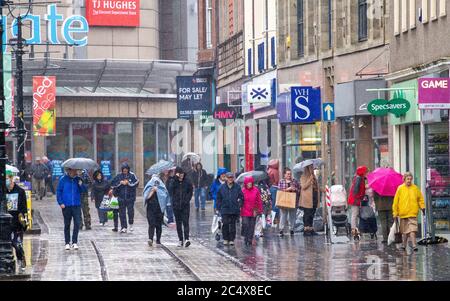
(396, 106)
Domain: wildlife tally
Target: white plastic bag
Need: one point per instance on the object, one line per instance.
(215, 224)
(392, 232)
(273, 219)
(263, 220)
(258, 227)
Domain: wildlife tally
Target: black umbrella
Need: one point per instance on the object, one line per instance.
(160, 167)
(80, 163)
(256, 174)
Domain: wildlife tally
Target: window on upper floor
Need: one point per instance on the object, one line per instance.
(300, 28)
(208, 10)
(362, 20)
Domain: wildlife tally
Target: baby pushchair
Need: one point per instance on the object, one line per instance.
(339, 209)
(367, 220)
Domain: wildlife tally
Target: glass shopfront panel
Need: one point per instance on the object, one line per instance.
(125, 143)
(348, 149)
(83, 140)
(149, 146)
(163, 141)
(106, 141)
(58, 147)
(302, 142)
(381, 142)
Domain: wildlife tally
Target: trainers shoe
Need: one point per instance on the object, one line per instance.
(226, 242)
(67, 247)
(75, 246)
(292, 232)
(115, 230)
(231, 243)
(180, 244)
(187, 244)
(124, 230)
(158, 242)
(131, 228)
(23, 264)
(150, 242)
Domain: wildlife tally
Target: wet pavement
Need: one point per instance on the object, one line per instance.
(105, 255)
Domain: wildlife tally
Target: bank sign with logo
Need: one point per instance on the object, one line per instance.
(193, 96)
(259, 94)
(73, 29)
(306, 104)
(434, 93)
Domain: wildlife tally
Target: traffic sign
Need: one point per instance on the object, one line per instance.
(306, 104)
(328, 112)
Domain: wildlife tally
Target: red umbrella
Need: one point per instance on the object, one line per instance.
(385, 181)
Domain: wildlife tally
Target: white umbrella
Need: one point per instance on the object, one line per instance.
(12, 169)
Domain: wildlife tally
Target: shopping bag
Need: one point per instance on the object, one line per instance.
(274, 214)
(263, 220)
(215, 224)
(258, 227)
(286, 199)
(110, 215)
(114, 203)
(106, 203)
(394, 234)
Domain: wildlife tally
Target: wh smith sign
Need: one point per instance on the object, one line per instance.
(124, 13)
(70, 27)
(306, 104)
(434, 93)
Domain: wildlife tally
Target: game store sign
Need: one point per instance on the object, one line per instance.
(434, 93)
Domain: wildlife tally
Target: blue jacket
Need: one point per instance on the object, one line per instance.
(229, 200)
(216, 184)
(125, 192)
(69, 191)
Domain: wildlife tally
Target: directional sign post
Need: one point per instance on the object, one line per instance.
(328, 112)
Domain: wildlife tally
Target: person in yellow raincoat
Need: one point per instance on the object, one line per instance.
(407, 202)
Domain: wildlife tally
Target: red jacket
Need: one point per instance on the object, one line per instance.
(273, 171)
(358, 188)
(252, 199)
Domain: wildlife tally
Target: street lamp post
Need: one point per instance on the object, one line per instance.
(7, 263)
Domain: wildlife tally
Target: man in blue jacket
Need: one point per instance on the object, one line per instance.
(229, 202)
(125, 185)
(68, 196)
(221, 178)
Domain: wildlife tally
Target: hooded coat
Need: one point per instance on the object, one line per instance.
(199, 178)
(180, 193)
(274, 172)
(125, 192)
(100, 188)
(358, 188)
(216, 184)
(252, 199)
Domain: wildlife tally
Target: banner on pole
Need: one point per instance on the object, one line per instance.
(8, 88)
(44, 105)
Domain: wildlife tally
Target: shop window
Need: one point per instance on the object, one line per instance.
(106, 143)
(362, 20)
(348, 128)
(83, 140)
(348, 147)
(58, 145)
(125, 143)
(302, 142)
(163, 141)
(300, 29)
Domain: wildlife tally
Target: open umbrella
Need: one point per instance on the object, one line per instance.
(257, 175)
(300, 167)
(160, 167)
(193, 156)
(385, 181)
(80, 163)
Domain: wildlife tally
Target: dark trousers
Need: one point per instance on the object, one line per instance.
(70, 213)
(182, 221)
(169, 212)
(155, 219)
(229, 226)
(308, 216)
(17, 243)
(248, 227)
(386, 221)
(49, 183)
(102, 216)
(116, 218)
(124, 207)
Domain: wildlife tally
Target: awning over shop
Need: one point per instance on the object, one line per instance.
(141, 76)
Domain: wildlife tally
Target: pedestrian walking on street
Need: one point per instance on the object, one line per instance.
(251, 208)
(156, 197)
(17, 207)
(288, 215)
(68, 196)
(181, 191)
(309, 199)
(273, 171)
(169, 177)
(49, 178)
(383, 205)
(229, 202)
(125, 185)
(407, 202)
(100, 188)
(86, 221)
(200, 181)
(39, 172)
(220, 179)
(356, 195)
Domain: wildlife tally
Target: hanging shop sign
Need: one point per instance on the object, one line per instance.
(44, 105)
(9, 91)
(259, 94)
(193, 96)
(123, 13)
(396, 106)
(306, 104)
(434, 93)
(223, 112)
(73, 29)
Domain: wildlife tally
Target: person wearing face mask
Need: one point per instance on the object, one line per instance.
(220, 179)
(251, 208)
(17, 207)
(68, 196)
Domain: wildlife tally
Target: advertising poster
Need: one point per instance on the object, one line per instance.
(44, 105)
(121, 13)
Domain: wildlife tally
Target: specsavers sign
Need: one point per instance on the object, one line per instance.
(396, 106)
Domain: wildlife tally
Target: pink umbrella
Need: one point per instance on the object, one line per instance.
(385, 181)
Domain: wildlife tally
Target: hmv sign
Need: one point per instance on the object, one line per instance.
(73, 29)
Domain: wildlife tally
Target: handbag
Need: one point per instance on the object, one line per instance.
(286, 199)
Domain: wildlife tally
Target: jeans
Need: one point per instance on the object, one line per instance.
(273, 194)
(248, 227)
(229, 226)
(70, 213)
(102, 216)
(288, 216)
(182, 220)
(169, 212)
(125, 206)
(200, 195)
(17, 244)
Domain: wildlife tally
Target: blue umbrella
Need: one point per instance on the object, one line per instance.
(160, 167)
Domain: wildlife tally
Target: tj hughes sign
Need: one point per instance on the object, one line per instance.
(73, 29)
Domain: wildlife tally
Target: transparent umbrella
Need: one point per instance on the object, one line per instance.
(160, 167)
(80, 163)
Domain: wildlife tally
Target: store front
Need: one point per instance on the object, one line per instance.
(301, 142)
